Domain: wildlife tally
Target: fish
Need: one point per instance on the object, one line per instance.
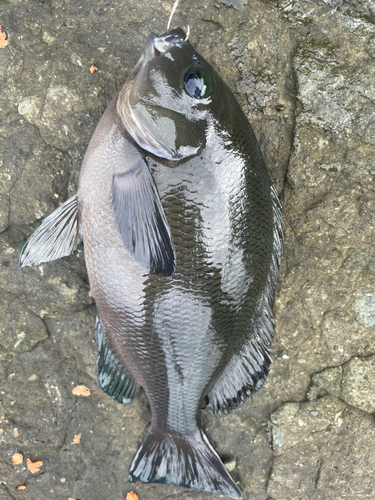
(182, 235)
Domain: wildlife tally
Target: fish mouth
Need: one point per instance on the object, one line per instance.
(157, 45)
(154, 47)
(164, 43)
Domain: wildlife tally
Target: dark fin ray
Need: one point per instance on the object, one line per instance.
(58, 236)
(244, 375)
(113, 378)
(248, 370)
(141, 220)
(188, 461)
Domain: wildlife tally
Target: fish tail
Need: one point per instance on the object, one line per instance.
(188, 461)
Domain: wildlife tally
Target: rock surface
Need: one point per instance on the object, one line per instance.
(303, 71)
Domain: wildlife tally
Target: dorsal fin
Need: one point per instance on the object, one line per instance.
(248, 369)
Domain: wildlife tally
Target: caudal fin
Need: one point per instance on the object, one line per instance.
(188, 461)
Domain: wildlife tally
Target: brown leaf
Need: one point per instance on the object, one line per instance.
(17, 459)
(63, 479)
(3, 40)
(22, 487)
(93, 68)
(81, 390)
(77, 438)
(34, 466)
(131, 496)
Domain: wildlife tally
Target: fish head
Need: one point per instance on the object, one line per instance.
(165, 104)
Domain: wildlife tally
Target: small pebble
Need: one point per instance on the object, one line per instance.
(230, 465)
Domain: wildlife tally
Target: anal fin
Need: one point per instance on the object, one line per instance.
(112, 376)
(244, 375)
(57, 236)
(248, 369)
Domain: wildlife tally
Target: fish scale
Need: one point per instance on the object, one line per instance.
(182, 234)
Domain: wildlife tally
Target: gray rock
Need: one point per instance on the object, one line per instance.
(365, 309)
(330, 380)
(358, 384)
(303, 72)
(326, 452)
(353, 382)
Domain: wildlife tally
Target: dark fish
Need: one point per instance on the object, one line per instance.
(182, 234)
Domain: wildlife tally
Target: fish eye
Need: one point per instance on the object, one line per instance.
(197, 83)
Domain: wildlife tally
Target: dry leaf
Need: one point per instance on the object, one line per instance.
(131, 496)
(17, 459)
(93, 68)
(15, 431)
(63, 479)
(77, 438)
(81, 390)
(22, 487)
(3, 40)
(34, 466)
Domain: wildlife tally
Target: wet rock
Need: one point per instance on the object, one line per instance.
(330, 380)
(327, 451)
(294, 422)
(365, 309)
(60, 117)
(353, 382)
(358, 385)
(20, 329)
(303, 73)
(31, 108)
(234, 3)
(242, 442)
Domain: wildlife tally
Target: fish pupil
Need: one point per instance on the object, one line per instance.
(194, 84)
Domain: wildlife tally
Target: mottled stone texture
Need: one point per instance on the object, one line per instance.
(303, 72)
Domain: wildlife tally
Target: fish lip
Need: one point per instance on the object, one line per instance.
(170, 39)
(156, 45)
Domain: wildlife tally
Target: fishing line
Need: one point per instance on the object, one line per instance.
(174, 8)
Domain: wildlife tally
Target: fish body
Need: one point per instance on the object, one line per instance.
(182, 236)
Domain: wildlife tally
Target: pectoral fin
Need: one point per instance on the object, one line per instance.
(141, 220)
(58, 236)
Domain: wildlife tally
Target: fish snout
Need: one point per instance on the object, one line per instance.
(173, 38)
